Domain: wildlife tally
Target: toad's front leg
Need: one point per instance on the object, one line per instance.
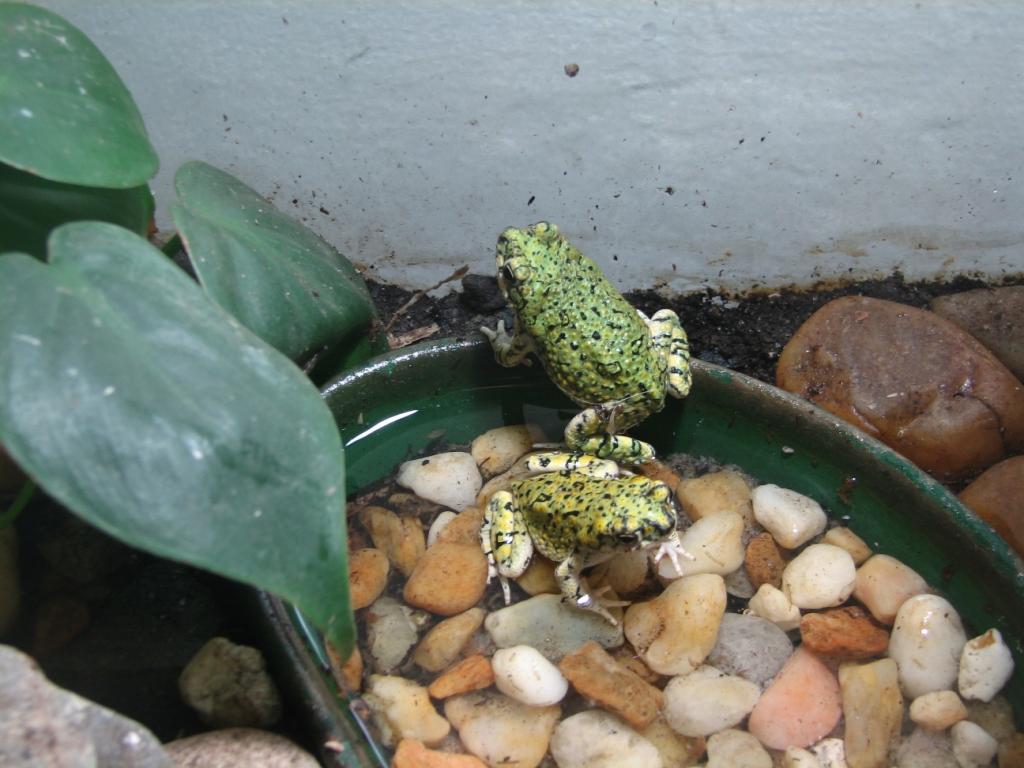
(571, 585)
(510, 349)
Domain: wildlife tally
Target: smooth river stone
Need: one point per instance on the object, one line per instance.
(751, 647)
(801, 706)
(994, 316)
(500, 730)
(873, 711)
(910, 378)
(674, 632)
(995, 497)
(926, 642)
(552, 627)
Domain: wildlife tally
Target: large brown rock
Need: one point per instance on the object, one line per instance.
(996, 498)
(994, 316)
(910, 378)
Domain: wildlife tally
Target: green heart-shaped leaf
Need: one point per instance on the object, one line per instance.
(151, 413)
(65, 115)
(31, 206)
(280, 279)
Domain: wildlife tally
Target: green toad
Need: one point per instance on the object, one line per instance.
(599, 350)
(578, 512)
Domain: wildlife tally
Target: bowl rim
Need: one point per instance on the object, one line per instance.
(311, 669)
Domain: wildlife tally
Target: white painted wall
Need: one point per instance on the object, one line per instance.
(800, 139)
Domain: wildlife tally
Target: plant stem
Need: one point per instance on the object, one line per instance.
(8, 516)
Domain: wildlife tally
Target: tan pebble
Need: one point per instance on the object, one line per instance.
(674, 748)
(763, 561)
(910, 378)
(367, 576)
(937, 710)
(774, 605)
(715, 544)
(448, 579)
(503, 481)
(801, 706)
(724, 491)
(470, 674)
(1011, 751)
(232, 747)
(676, 631)
(732, 748)
(625, 572)
(821, 576)
(411, 505)
(539, 577)
(873, 710)
(630, 659)
(884, 583)
(845, 633)
(995, 497)
(347, 673)
(595, 674)
(500, 730)
(403, 710)
(464, 528)
(414, 754)
(657, 470)
(400, 538)
(496, 450)
(846, 539)
(441, 646)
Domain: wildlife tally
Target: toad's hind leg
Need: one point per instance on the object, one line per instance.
(591, 431)
(505, 541)
(670, 340)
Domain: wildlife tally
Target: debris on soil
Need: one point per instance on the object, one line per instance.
(745, 333)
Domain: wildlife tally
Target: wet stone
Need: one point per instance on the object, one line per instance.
(994, 316)
(500, 730)
(845, 633)
(995, 497)
(763, 561)
(872, 710)
(598, 676)
(910, 378)
(43, 725)
(552, 627)
(228, 685)
(750, 647)
(239, 748)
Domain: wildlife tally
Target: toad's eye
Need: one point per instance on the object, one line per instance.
(515, 272)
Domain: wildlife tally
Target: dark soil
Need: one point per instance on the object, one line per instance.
(745, 333)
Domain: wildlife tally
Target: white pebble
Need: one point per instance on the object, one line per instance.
(598, 739)
(773, 604)
(937, 710)
(821, 576)
(706, 701)
(523, 673)
(973, 747)
(449, 479)
(985, 666)
(716, 544)
(926, 642)
(737, 749)
(790, 517)
(438, 525)
(403, 710)
(798, 757)
(884, 583)
(831, 753)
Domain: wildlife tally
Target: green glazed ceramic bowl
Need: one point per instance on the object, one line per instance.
(406, 403)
